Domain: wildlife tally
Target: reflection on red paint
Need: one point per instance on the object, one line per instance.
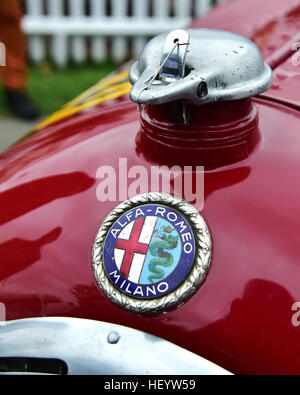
(21, 253)
(27, 197)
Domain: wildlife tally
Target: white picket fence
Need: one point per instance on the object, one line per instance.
(79, 30)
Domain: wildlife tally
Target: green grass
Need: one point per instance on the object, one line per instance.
(51, 87)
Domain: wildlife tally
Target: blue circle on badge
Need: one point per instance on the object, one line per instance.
(149, 251)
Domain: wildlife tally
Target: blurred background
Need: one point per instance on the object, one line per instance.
(72, 44)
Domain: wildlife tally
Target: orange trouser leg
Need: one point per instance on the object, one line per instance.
(11, 35)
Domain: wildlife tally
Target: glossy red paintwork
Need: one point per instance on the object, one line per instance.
(218, 133)
(286, 80)
(241, 317)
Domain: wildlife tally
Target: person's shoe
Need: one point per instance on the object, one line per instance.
(21, 104)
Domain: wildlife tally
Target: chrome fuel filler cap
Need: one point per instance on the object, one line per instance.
(194, 91)
(200, 66)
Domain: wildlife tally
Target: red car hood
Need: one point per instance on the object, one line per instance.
(241, 317)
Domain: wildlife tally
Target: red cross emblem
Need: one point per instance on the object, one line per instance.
(132, 246)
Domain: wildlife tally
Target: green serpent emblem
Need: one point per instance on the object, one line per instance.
(165, 259)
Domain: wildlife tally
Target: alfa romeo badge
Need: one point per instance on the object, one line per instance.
(151, 253)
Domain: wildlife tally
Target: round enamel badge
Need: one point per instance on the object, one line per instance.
(151, 253)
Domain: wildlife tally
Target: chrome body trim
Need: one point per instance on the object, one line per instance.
(94, 347)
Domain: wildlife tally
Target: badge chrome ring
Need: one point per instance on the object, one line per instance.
(196, 275)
